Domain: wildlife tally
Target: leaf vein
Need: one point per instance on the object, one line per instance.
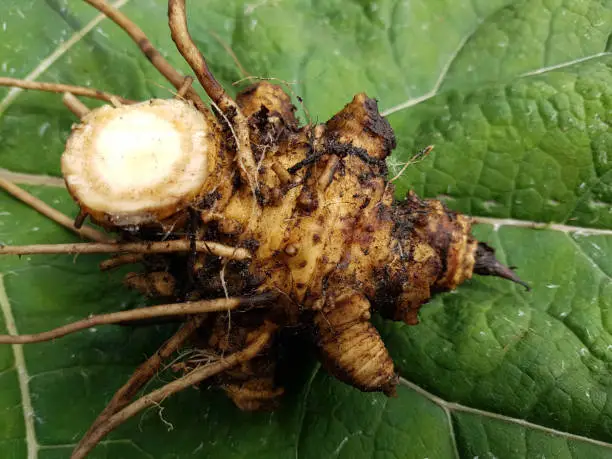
(452, 406)
(303, 413)
(437, 85)
(568, 229)
(565, 64)
(22, 375)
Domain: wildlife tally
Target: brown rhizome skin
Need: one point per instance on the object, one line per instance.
(285, 225)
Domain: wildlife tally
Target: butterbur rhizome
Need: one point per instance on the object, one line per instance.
(244, 223)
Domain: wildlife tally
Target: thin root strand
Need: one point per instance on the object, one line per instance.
(163, 310)
(146, 371)
(184, 88)
(419, 156)
(63, 88)
(231, 53)
(121, 260)
(157, 396)
(75, 105)
(49, 212)
(186, 46)
(213, 248)
(147, 48)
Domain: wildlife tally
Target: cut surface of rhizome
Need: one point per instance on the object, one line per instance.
(138, 164)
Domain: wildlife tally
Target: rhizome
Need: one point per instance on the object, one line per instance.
(244, 223)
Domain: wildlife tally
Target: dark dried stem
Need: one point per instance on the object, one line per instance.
(157, 396)
(487, 265)
(80, 219)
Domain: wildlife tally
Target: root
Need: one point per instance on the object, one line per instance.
(121, 260)
(187, 48)
(147, 48)
(80, 219)
(183, 89)
(285, 177)
(50, 212)
(62, 88)
(416, 158)
(157, 396)
(231, 53)
(213, 248)
(143, 374)
(184, 43)
(163, 310)
(75, 105)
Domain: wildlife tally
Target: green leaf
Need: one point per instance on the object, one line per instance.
(517, 98)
